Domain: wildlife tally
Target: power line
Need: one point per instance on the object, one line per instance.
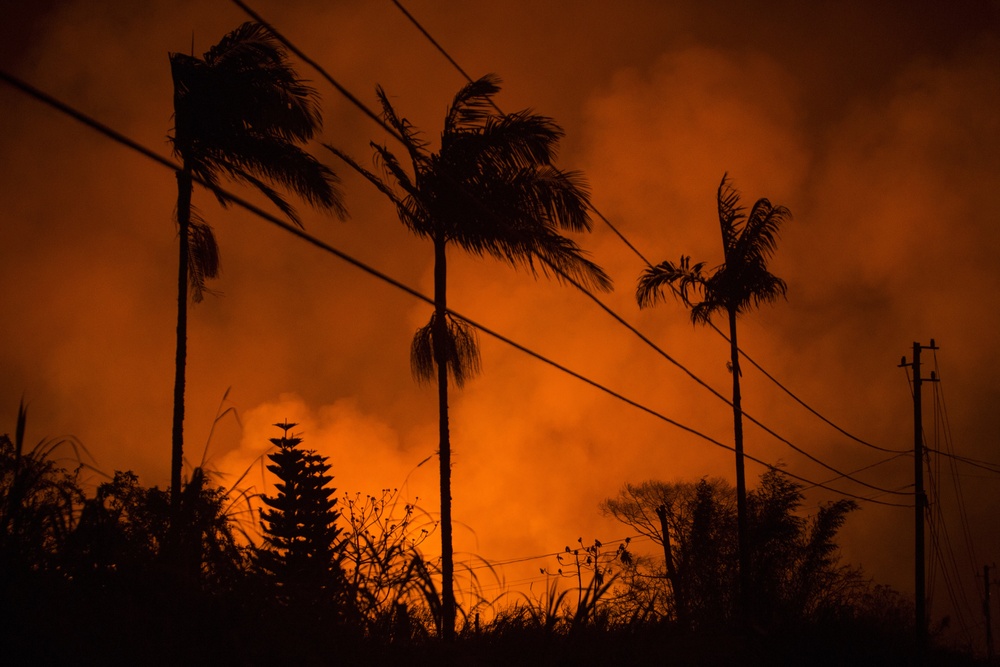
(869, 467)
(642, 257)
(288, 44)
(432, 40)
(631, 539)
(976, 463)
(941, 420)
(300, 233)
(949, 565)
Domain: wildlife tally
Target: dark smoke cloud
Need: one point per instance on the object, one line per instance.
(876, 125)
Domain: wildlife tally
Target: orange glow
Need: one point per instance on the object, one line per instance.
(876, 127)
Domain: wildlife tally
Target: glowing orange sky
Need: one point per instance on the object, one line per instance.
(876, 127)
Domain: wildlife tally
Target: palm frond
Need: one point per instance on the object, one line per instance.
(765, 287)
(415, 145)
(253, 65)
(521, 138)
(272, 195)
(731, 214)
(760, 232)
(567, 261)
(450, 341)
(685, 278)
(372, 178)
(392, 167)
(558, 198)
(241, 111)
(204, 261)
(472, 105)
(408, 206)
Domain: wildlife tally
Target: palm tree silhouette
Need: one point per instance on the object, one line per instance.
(491, 189)
(740, 283)
(239, 112)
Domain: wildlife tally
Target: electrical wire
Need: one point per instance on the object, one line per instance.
(943, 429)
(948, 564)
(288, 44)
(300, 233)
(642, 257)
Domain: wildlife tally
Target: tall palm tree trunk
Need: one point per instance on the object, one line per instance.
(184, 187)
(444, 452)
(743, 545)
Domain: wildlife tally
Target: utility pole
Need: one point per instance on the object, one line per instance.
(919, 497)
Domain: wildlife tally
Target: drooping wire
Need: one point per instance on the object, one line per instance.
(943, 425)
(303, 235)
(291, 47)
(948, 564)
(646, 261)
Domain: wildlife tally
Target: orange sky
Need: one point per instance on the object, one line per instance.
(878, 128)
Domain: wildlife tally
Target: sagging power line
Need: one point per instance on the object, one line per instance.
(643, 258)
(371, 114)
(301, 234)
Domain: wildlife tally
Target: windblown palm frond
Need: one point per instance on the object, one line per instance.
(415, 145)
(241, 111)
(203, 256)
(686, 278)
(472, 106)
(731, 214)
(458, 348)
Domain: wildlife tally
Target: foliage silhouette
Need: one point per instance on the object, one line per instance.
(303, 551)
(491, 189)
(124, 529)
(239, 112)
(795, 574)
(384, 567)
(740, 283)
(38, 501)
(93, 580)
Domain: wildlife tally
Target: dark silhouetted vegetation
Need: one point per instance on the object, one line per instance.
(87, 579)
(302, 552)
(795, 572)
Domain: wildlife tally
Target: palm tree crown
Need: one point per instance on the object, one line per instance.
(240, 112)
(743, 281)
(492, 187)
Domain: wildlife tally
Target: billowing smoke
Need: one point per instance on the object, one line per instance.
(877, 127)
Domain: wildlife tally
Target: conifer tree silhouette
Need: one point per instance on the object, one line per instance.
(302, 550)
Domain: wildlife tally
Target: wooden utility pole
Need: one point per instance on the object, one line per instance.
(919, 497)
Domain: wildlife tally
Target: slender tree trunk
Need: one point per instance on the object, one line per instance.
(440, 333)
(743, 545)
(177, 442)
(680, 600)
